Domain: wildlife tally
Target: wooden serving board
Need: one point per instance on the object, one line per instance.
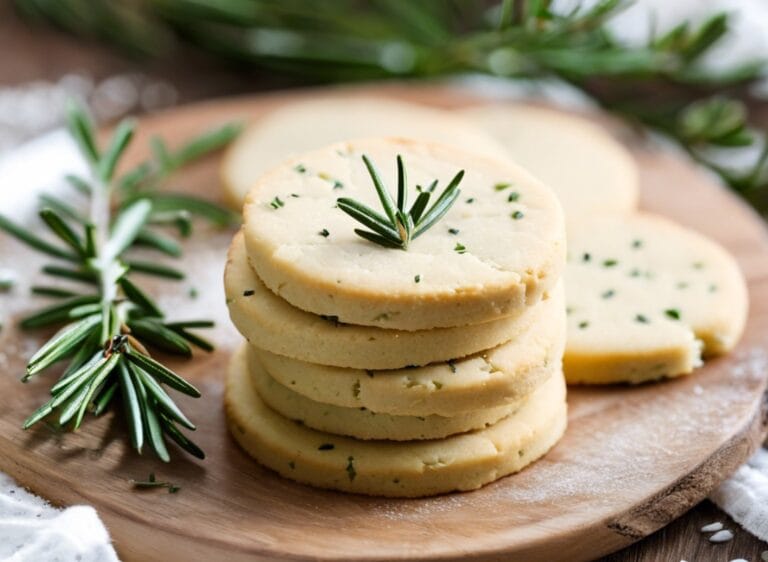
(632, 460)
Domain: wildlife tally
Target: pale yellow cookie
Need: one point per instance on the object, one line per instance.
(645, 297)
(362, 423)
(269, 322)
(388, 468)
(497, 250)
(590, 172)
(296, 127)
(492, 378)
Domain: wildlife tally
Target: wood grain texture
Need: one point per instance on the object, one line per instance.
(632, 460)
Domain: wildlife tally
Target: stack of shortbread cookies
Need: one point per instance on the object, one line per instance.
(397, 372)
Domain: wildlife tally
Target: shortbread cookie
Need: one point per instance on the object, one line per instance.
(362, 423)
(299, 126)
(590, 172)
(645, 298)
(497, 250)
(493, 378)
(269, 322)
(387, 468)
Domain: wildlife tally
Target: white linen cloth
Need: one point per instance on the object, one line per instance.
(744, 496)
(32, 531)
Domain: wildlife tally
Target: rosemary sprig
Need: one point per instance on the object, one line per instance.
(399, 226)
(107, 326)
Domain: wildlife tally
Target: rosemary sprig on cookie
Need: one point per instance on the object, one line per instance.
(107, 326)
(399, 226)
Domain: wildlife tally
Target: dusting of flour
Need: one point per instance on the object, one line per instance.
(636, 450)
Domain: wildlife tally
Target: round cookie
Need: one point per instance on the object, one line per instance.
(388, 468)
(645, 297)
(270, 323)
(299, 126)
(362, 423)
(590, 172)
(493, 378)
(497, 250)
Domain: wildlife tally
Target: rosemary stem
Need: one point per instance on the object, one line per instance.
(101, 199)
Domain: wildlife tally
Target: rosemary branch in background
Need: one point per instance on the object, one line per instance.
(662, 83)
(107, 326)
(400, 226)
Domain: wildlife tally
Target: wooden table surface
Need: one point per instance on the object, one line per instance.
(43, 54)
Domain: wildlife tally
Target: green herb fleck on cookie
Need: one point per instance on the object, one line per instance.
(640, 318)
(417, 279)
(300, 168)
(332, 319)
(351, 472)
(248, 292)
(517, 215)
(460, 248)
(453, 231)
(501, 186)
(276, 203)
(672, 313)
(324, 233)
(610, 263)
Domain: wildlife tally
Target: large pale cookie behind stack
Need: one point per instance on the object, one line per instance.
(591, 173)
(305, 125)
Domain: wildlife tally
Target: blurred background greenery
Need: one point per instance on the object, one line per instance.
(659, 83)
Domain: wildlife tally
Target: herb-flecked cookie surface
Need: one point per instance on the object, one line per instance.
(590, 172)
(305, 125)
(497, 250)
(492, 378)
(388, 468)
(362, 423)
(646, 298)
(270, 323)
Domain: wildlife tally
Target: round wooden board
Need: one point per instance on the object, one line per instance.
(632, 460)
